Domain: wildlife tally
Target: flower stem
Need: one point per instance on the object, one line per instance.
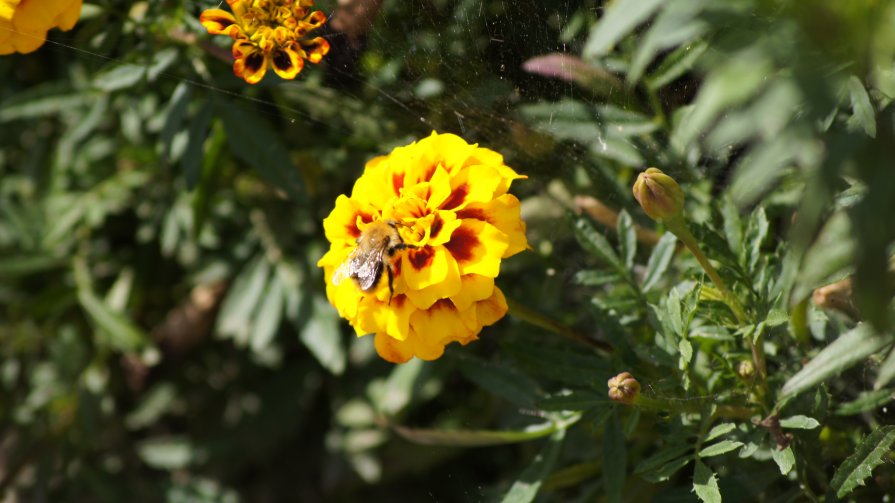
(680, 229)
(542, 321)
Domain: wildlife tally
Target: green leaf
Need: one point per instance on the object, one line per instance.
(830, 258)
(501, 380)
(256, 143)
(705, 485)
(322, 337)
(785, 459)
(886, 371)
(392, 396)
(867, 456)
(526, 487)
(177, 108)
(23, 265)
(849, 349)
(614, 458)
(799, 422)
(621, 18)
(118, 331)
(717, 449)
(719, 430)
(676, 64)
(166, 453)
(863, 109)
(577, 400)
(475, 438)
(659, 260)
(191, 162)
(234, 318)
(733, 227)
(675, 25)
(662, 458)
(734, 81)
(119, 77)
(867, 400)
(627, 239)
(756, 233)
(596, 244)
(267, 318)
(665, 471)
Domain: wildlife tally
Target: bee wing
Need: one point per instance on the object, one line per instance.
(341, 272)
(366, 269)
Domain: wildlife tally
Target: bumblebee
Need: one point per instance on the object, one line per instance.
(376, 249)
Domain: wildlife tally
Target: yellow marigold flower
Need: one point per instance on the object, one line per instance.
(24, 23)
(269, 32)
(447, 202)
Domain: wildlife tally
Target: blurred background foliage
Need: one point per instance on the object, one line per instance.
(164, 335)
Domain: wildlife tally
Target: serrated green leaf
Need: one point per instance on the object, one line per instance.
(785, 459)
(614, 458)
(627, 239)
(733, 226)
(322, 337)
(621, 18)
(659, 260)
(863, 109)
(799, 422)
(526, 487)
(849, 349)
(867, 456)
(596, 244)
(705, 484)
(665, 471)
(867, 400)
(717, 449)
(234, 318)
(116, 329)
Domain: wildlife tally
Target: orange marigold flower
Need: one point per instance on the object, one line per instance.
(421, 238)
(24, 23)
(269, 32)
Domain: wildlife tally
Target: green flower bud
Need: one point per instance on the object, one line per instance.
(745, 369)
(658, 194)
(624, 388)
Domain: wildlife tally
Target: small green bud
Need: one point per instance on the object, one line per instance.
(624, 388)
(658, 194)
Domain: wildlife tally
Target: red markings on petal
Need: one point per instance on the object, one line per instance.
(463, 242)
(456, 198)
(421, 257)
(437, 225)
(352, 229)
(398, 182)
(474, 213)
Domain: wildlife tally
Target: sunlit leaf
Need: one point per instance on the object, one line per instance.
(526, 487)
(705, 484)
(867, 456)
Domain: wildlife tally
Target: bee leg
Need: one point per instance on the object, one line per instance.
(391, 286)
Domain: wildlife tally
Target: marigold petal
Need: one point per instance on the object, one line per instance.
(503, 213)
(8, 10)
(346, 219)
(392, 350)
(492, 309)
(424, 297)
(425, 266)
(251, 67)
(475, 184)
(315, 49)
(477, 247)
(374, 316)
(286, 63)
(68, 17)
(217, 21)
(442, 324)
(474, 288)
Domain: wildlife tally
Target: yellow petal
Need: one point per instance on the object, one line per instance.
(426, 266)
(492, 309)
(475, 184)
(474, 288)
(7, 10)
(477, 247)
(217, 21)
(424, 297)
(503, 213)
(69, 16)
(286, 63)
